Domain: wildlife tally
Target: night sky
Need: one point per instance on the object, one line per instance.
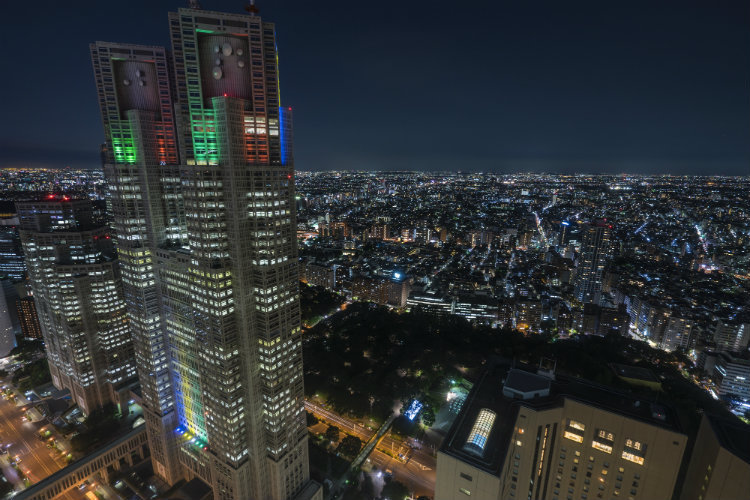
(559, 86)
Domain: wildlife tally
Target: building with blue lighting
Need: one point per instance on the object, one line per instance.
(199, 157)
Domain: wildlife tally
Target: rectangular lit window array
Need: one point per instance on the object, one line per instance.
(634, 451)
(604, 441)
(574, 431)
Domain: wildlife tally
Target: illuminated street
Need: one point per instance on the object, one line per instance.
(417, 472)
(37, 461)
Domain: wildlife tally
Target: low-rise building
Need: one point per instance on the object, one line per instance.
(524, 435)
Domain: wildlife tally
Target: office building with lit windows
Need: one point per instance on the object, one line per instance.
(199, 157)
(11, 255)
(525, 434)
(76, 283)
(28, 318)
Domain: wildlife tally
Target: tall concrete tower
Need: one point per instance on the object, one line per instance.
(199, 157)
(75, 278)
(596, 252)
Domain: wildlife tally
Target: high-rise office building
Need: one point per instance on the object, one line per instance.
(75, 278)
(596, 252)
(720, 462)
(199, 158)
(526, 435)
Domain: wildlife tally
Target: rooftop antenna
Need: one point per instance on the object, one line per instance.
(251, 8)
(194, 4)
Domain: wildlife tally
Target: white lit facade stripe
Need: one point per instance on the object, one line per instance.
(482, 428)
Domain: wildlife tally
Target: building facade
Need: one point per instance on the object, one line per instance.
(11, 254)
(7, 332)
(732, 375)
(76, 283)
(29, 319)
(719, 467)
(678, 334)
(731, 336)
(525, 435)
(200, 160)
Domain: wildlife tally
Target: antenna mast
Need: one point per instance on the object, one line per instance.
(251, 8)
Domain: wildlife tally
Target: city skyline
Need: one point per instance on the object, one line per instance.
(368, 252)
(601, 89)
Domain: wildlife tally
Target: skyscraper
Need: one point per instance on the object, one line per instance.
(200, 162)
(596, 252)
(75, 278)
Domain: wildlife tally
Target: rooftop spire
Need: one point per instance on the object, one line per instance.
(251, 8)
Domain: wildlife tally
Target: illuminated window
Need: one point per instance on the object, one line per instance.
(634, 451)
(574, 431)
(481, 430)
(604, 441)
(573, 437)
(576, 425)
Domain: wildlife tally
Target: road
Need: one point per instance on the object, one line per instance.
(37, 461)
(418, 473)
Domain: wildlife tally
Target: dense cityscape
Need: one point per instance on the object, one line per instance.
(654, 266)
(196, 318)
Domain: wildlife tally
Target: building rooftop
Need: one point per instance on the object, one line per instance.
(526, 381)
(195, 489)
(634, 372)
(487, 394)
(734, 436)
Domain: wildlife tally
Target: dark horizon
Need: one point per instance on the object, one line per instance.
(642, 88)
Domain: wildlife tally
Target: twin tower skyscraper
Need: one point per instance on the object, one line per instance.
(200, 166)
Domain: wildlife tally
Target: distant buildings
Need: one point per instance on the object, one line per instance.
(392, 291)
(678, 333)
(732, 375)
(430, 302)
(731, 336)
(524, 435)
(76, 283)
